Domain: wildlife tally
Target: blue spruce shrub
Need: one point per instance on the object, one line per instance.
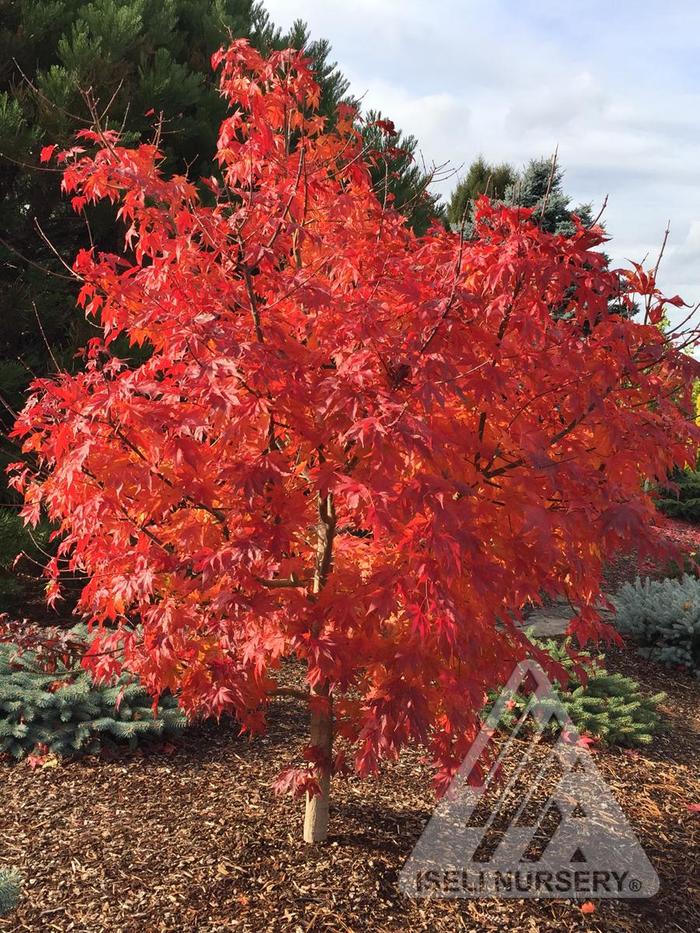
(10, 890)
(67, 712)
(663, 618)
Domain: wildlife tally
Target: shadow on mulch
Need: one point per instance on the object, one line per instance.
(195, 842)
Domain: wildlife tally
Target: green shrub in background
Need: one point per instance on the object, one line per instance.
(663, 618)
(609, 707)
(10, 890)
(16, 537)
(683, 502)
(65, 712)
(16, 589)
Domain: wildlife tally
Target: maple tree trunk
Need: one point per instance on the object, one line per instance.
(316, 815)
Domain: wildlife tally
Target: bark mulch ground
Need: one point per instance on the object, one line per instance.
(192, 839)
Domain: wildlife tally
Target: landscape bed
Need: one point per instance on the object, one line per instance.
(191, 838)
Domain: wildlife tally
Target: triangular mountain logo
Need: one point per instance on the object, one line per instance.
(541, 822)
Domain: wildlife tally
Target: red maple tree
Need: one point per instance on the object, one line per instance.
(336, 442)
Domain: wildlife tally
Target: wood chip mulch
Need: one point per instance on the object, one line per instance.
(191, 838)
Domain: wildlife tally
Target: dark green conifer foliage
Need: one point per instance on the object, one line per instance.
(540, 185)
(130, 61)
(683, 499)
(137, 59)
(334, 85)
(131, 57)
(481, 178)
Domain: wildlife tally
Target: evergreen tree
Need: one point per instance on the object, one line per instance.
(131, 57)
(540, 186)
(663, 618)
(682, 500)
(481, 178)
(609, 707)
(334, 85)
(396, 171)
(137, 59)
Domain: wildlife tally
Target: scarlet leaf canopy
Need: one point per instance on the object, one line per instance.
(468, 418)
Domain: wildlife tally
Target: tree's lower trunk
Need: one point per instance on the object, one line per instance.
(316, 815)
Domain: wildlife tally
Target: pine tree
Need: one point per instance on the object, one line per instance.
(138, 59)
(540, 186)
(334, 85)
(131, 56)
(481, 178)
(682, 499)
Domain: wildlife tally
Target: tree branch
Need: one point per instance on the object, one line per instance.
(289, 692)
(280, 583)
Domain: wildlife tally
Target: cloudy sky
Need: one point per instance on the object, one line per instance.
(616, 85)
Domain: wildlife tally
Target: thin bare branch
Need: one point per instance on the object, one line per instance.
(56, 253)
(35, 265)
(550, 182)
(46, 342)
